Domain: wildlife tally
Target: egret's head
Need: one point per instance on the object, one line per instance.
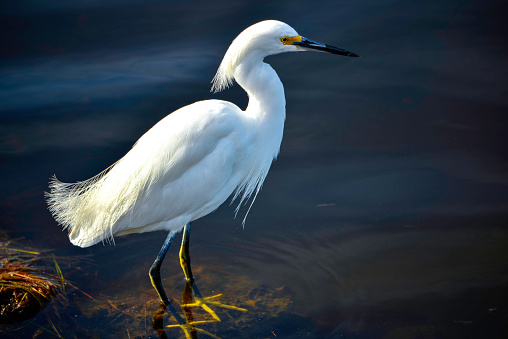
(260, 40)
(267, 38)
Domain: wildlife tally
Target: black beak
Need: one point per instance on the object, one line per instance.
(319, 46)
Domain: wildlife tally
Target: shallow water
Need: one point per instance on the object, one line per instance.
(385, 215)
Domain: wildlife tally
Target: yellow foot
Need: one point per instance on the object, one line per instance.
(204, 302)
(188, 328)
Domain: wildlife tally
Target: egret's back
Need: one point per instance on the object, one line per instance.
(181, 169)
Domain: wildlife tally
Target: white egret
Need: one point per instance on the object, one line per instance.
(191, 161)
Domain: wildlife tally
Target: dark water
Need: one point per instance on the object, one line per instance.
(385, 215)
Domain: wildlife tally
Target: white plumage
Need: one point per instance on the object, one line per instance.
(190, 162)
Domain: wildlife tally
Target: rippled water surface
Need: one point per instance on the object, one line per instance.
(385, 215)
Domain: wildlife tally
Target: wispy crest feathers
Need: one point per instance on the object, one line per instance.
(235, 54)
(221, 80)
(225, 74)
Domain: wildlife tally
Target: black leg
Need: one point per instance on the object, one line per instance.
(184, 254)
(155, 274)
(187, 325)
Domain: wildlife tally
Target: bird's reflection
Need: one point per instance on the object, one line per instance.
(191, 297)
(157, 321)
(187, 310)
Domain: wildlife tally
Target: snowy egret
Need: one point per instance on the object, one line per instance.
(191, 161)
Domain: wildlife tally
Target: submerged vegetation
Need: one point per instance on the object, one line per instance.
(135, 312)
(31, 281)
(26, 284)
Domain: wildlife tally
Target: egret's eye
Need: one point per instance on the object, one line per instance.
(284, 39)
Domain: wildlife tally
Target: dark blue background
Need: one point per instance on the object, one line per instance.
(387, 208)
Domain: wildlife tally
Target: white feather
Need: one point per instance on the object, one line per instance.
(190, 162)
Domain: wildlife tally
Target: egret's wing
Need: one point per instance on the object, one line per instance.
(179, 169)
(191, 173)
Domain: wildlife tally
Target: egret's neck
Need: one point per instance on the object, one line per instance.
(265, 90)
